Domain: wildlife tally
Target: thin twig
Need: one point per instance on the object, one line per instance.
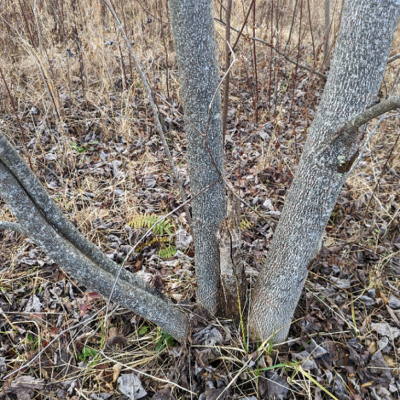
(381, 176)
(270, 57)
(394, 58)
(295, 80)
(153, 107)
(311, 30)
(255, 65)
(291, 25)
(348, 129)
(227, 67)
(243, 25)
(278, 51)
(383, 117)
(148, 375)
(360, 155)
(216, 92)
(16, 116)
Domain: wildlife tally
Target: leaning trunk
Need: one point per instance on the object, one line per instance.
(196, 52)
(363, 45)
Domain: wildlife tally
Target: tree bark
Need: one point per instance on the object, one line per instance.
(357, 68)
(196, 51)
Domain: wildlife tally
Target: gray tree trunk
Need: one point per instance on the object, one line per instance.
(357, 68)
(196, 51)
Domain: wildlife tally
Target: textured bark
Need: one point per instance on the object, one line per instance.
(157, 310)
(357, 68)
(233, 278)
(12, 226)
(196, 50)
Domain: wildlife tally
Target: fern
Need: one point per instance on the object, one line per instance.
(148, 220)
(245, 224)
(164, 227)
(167, 252)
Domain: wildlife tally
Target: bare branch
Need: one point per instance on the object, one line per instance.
(227, 64)
(370, 113)
(278, 51)
(153, 106)
(347, 130)
(394, 58)
(243, 25)
(361, 152)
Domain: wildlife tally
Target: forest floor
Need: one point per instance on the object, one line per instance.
(106, 168)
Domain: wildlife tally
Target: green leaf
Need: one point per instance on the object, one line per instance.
(86, 353)
(160, 346)
(278, 366)
(165, 340)
(143, 330)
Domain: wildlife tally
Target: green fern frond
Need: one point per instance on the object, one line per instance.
(167, 252)
(148, 220)
(245, 224)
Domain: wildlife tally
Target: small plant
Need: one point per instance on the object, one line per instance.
(167, 252)
(245, 224)
(143, 330)
(86, 353)
(75, 147)
(148, 220)
(33, 340)
(165, 227)
(165, 340)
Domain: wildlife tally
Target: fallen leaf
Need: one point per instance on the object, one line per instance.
(130, 385)
(116, 371)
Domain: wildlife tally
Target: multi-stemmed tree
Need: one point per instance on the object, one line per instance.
(363, 45)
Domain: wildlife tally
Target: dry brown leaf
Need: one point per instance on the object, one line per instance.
(383, 297)
(269, 360)
(116, 371)
(373, 348)
(389, 361)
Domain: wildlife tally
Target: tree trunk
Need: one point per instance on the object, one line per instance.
(357, 68)
(196, 51)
